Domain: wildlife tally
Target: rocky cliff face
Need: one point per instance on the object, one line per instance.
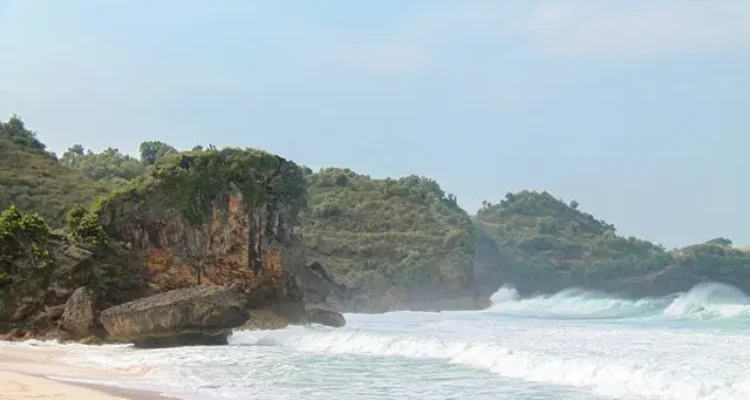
(221, 218)
(216, 218)
(255, 253)
(62, 298)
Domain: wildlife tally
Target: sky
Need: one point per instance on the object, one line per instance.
(639, 110)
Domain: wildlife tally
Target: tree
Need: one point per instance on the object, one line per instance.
(722, 241)
(70, 157)
(152, 151)
(85, 227)
(22, 236)
(16, 131)
(110, 164)
(574, 205)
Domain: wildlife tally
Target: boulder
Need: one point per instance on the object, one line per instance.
(79, 316)
(55, 312)
(197, 315)
(318, 315)
(265, 320)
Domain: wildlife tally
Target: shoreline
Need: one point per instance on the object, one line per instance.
(29, 373)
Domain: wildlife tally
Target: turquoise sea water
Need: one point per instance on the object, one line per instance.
(572, 345)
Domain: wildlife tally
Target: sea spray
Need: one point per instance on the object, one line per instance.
(710, 301)
(704, 302)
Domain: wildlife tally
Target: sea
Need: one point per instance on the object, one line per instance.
(575, 344)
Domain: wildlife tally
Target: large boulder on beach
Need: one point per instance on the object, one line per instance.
(197, 315)
(79, 314)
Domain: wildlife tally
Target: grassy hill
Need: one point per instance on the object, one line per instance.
(540, 242)
(401, 240)
(32, 178)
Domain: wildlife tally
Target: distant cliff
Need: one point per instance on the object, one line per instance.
(542, 244)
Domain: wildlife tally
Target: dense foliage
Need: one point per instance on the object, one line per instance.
(191, 182)
(84, 227)
(23, 244)
(153, 151)
(109, 166)
(377, 233)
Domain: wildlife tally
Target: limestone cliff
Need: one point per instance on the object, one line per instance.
(217, 218)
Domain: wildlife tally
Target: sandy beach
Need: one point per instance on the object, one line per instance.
(23, 371)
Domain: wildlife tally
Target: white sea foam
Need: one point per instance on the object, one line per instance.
(704, 301)
(608, 376)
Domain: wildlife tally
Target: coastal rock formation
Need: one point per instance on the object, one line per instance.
(217, 218)
(212, 218)
(318, 315)
(79, 315)
(263, 320)
(194, 315)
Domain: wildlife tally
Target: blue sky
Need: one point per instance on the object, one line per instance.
(637, 109)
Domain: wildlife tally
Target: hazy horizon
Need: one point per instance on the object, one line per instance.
(635, 110)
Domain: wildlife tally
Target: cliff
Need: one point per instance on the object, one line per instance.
(400, 243)
(217, 218)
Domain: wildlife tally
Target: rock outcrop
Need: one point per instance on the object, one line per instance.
(195, 315)
(241, 235)
(79, 315)
(318, 315)
(263, 320)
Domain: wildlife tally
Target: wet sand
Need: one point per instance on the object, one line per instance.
(23, 377)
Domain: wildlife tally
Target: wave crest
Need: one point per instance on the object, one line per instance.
(704, 301)
(615, 378)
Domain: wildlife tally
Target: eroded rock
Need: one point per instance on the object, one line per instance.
(79, 316)
(189, 316)
(318, 315)
(265, 320)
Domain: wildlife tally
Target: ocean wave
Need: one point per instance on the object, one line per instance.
(605, 375)
(705, 301)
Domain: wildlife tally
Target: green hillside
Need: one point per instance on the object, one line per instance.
(32, 179)
(541, 242)
(403, 239)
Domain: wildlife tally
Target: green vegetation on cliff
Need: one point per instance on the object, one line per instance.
(23, 240)
(33, 180)
(190, 183)
(381, 234)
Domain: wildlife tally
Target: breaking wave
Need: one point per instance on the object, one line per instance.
(705, 301)
(604, 375)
